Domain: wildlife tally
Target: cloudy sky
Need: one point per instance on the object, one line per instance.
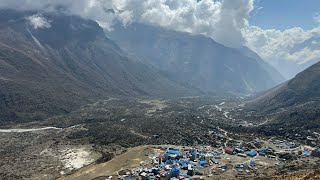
(286, 33)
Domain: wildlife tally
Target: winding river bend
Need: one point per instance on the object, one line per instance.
(27, 130)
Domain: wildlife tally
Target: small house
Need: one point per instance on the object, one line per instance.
(262, 153)
(229, 150)
(242, 155)
(252, 153)
(240, 171)
(238, 150)
(252, 163)
(306, 153)
(190, 170)
(204, 163)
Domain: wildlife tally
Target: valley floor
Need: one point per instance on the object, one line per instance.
(113, 135)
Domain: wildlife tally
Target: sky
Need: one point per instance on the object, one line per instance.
(285, 33)
(285, 14)
(286, 25)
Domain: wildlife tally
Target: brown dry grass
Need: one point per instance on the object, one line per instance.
(304, 175)
(129, 160)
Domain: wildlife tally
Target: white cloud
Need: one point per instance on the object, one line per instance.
(303, 56)
(233, 17)
(219, 19)
(38, 22)
(274, 43)
(279, 47)
(226, 21)
(93, 9)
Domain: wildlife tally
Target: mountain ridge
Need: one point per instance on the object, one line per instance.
(43, 73)
(292, 107)
(196, 59)
(303, 88)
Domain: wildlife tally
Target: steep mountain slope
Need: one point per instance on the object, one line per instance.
(54, 69)
(292, 105)
(273, 73)
(196, 59)
(305, 87)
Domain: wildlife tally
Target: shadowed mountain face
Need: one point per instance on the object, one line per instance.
(305, 87)
(294, 104)
(197, 60)
(47, 71)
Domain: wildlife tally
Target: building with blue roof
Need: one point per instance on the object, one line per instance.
(173, 152)
(175, 172)
(252, 153)
(306, 153)
(203, 162)
(252, 163)
(262, 153)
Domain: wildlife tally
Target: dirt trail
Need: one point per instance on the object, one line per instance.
(226, 136)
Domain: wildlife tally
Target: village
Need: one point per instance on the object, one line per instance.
(208, 162)
(187, 144)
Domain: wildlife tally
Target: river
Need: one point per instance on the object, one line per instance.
(27, 130)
